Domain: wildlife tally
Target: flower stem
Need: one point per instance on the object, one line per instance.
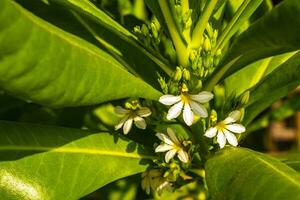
(181, 49)
(202, 22)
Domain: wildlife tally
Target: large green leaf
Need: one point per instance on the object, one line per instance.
(243, 13)
(118, 40)
(276, 85)
(250, 75)
(41, 162)
(238, 173)
(273, 34)
(55, 68)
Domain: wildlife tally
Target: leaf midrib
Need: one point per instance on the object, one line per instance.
(73, 150)
(276, 170)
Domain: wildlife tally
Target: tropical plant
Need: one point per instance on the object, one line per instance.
(93, 91)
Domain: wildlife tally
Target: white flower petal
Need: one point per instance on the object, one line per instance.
(188, 115)
(175, 111)
(183, 156)
(127, 126)
(202, 97)
(139, 122)
(169, 155)
(163, 148)
(172, 136)
(144, 112)
(236, 128)
(221, 139)
(199, 109)
(211, 132)
(164, 138)
(233, 117)
(231, 138)
(121, 111)
(169, 99)
(121, 123)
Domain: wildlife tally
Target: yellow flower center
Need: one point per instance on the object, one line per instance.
(221, 126)
(185, 98)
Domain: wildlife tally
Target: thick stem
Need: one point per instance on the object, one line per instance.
(202, 23)
(186, 32)
(180, 47)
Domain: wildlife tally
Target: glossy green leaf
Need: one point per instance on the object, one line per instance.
(273, 34)
(277, 85)
(55, 68)
(250, 75)
(241, 16)
(41, 162)
(292, 159)
(238, 173)
(118, 40)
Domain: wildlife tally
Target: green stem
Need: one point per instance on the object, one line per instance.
(219, 75)
(181, 49)
(201, 24)
(185, 8)
(227, 33)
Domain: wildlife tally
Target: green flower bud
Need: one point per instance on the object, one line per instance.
(186, 75)
(154, 30)
(213, 116)
(207, 45)
(178, 74)
(209, 30)
(173, 88)
(178, 10)
(207, 61)
(193, 55)
(145, 30)
(137, 30)
(128, 105)
(163, 84)
(245, 98)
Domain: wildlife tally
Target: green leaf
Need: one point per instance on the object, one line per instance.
(238, 173)
(118, 40)
(273, 34)
(43, 162)
(250, 75)
(243, 13)
(54, 68)
(277, 85)
(292, 159)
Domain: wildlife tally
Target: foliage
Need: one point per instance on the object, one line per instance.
(93, 91)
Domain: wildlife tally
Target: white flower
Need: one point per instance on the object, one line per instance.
(172, 146)
(225, 129)
(189, 103)
(131, 116)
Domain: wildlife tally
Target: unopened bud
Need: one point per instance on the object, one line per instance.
(173, 88)
(154, 30)
(209, 30)
(178, 10)
(193, 55)
(207, 45)
(213, 116)
(186, 75)
(245, 98)
(145, 30)
(178, 74)
(137, 29)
